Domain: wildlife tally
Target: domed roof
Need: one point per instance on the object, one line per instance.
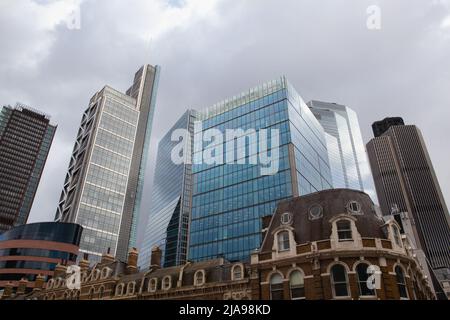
(310, 215)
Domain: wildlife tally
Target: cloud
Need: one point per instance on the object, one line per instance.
(210, 50)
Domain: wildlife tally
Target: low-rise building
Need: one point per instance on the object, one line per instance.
(327, 245)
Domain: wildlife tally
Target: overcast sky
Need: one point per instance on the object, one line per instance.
(212, 49)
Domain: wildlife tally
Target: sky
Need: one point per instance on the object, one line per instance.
(55, 54)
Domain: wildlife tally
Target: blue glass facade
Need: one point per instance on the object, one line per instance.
(230, 199)
(169, 213)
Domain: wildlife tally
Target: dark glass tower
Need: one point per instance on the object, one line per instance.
(405, 181)
(380, 127)
(103, 187)
(25, 139)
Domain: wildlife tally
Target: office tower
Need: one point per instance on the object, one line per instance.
(406, 182)
(380, 127)
(25, 139)
(348, 158)
(34, 250)
(230, 197)
(103, 186)
(168, 219)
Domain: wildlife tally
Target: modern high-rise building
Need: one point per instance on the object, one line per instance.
(348, 158)
(406, 182)
(168, 221)
(25, 139)
(103, 187)
(380, 127)
(230, 194)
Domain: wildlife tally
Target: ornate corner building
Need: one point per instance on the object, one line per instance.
(327, 245)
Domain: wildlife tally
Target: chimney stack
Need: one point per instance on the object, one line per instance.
(107, 257)
(155, 259)
(84, 263)
(8, 291)
(39, 283)
(132, 261)
(60, 271)
(21, 289)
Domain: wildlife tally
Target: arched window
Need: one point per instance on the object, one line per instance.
(297, 285)
(396, 234)
(153, 285)
(166, 283)
(131, 286)
(283, 241)
(199, 278)
(276, 287)
(237, 272)
(91, 294)
(363, 276)
(344, 229)
(339, 281)
(401, 282)
(101, 292)
(119, 289)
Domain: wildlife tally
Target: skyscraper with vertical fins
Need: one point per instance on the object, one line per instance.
(103, 186)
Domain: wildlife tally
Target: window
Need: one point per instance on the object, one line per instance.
(286, 218)
(237, 272)
(361, 271)
(297, 285)
(401, 283)
(354, 207)
(315, 212)
(153, 285)
(339, 281)
(344, 229)
(276, 287)
(119, 289)
(199, 278)
(166, 283)
(101, 292)
(131, 288)
(283, 241)
(91, 294)
(396, 234)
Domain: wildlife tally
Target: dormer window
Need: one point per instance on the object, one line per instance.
(344, 229)
(153, 285)
(283, 241)
(286, 218)
(199, 278)
(354, 207)
(237, 272)
(166, 283)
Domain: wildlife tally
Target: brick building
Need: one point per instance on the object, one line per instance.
(317, 246)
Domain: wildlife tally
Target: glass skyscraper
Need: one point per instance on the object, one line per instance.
(229, 199)
(25, 139)
(168, 220)
(347, 154)
(103, 186)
